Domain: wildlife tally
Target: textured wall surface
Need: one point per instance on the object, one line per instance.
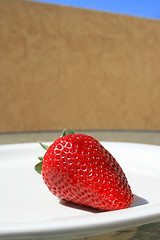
(62, 67)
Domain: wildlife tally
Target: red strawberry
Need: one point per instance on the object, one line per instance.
(77, 168)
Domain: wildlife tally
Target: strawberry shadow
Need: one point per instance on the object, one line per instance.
(79, 207)
(138, 201)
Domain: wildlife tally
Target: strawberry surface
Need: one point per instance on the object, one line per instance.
(78, 169)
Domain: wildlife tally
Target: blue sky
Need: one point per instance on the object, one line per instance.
(140, 8)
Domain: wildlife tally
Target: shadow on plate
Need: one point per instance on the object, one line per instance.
(79, 207)
(138, 201)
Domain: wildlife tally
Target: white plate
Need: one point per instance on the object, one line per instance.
(29, 210)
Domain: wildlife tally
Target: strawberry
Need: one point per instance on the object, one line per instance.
(78, 169)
